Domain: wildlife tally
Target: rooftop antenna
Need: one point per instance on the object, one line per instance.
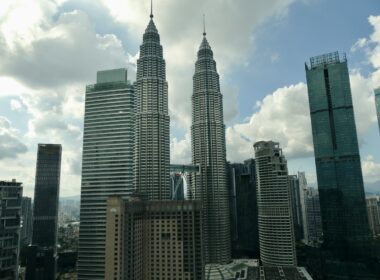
(151, 8)
(204, 25)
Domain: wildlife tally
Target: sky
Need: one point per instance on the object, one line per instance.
(51, 49)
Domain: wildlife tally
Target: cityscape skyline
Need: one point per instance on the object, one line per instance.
(70, 128)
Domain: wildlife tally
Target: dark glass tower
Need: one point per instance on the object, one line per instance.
(243, 209)
(377, 102)
(46, 194)
(339, 174)
(209, 152)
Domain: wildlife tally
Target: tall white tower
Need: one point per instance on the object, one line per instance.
(152, 146)
(209, 152)
(276, 231)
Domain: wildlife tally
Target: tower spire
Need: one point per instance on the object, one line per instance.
(204, 25)
(151, 8)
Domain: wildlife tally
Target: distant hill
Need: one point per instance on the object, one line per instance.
(74, 197)
(372, 188)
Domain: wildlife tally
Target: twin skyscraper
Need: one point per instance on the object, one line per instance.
(126, 153)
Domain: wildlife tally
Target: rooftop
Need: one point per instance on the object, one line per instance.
(328, 58)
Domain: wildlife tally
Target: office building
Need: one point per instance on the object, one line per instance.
(46, 195)
(45, 212)
(276, 231)
(26, 221)
(107, 164)
(377, 102)
(152, 145)
(339, 173)
(296, 196)
(41, 263)
(243, 209)
(10, 212)
(209, 152)
(373, 215)
(154, 239)
(313, 233)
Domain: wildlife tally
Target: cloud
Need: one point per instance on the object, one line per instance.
(282, 116)
(58, 52)
(15, 105)
(180, 150)
(10, 144)
(371, 169)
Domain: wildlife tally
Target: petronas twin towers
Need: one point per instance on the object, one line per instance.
(126, 149)
(208, 140)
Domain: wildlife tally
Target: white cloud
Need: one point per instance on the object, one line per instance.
(10, 140)
(371, 169)
(15, 105)
(359, 44)
(282, 116)
(180, 150)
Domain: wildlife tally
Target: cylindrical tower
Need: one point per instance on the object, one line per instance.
(276, 232)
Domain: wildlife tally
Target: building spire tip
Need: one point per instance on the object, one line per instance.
(204, 25)
(151, 8)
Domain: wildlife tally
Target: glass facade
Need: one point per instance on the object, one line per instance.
(46, 193)
(337, 158)
(107, 163)
(377, 102)
(10, 212)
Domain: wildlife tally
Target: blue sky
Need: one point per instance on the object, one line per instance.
(260, 48)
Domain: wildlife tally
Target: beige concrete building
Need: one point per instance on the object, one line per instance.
(154, 240)
(373, 215)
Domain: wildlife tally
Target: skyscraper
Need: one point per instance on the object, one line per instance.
(152, 145)
(154, 239)
(26, 220)
(10, 212)
(276, 232)
(337, 158)
(313, 225)
(373, 215)
(107, 164)
(296, 196)
(41, 261)
(243, 209)
(46, 195)
(209, 152)
(377, 101)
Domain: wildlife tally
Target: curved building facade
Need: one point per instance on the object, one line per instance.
(209, 152)
(152, 146)
(276, 232)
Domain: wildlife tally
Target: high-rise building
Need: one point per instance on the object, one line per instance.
(302, 191)
(209, 152)
(296, 196)
(373, 215)
(377, 102)
(45, 214)
(26, 221)
(276, 231)
(152, 145)
(46, 195)
(107, 164)
(313, 226)
(154, 239)
(339, 173)
(10, 213)
(243, 209)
